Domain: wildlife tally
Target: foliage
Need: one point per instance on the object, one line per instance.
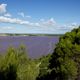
(15, 65)
(8, 66)
(44, 70)
(65, 59)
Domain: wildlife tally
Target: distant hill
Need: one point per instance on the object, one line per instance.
(21, 34)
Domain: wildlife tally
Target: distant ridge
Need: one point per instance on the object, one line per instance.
(26, 34)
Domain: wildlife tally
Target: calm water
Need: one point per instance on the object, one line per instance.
(36, 46)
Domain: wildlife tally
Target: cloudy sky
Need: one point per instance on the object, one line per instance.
(39, 16)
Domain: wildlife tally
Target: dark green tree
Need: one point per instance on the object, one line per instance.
(65, 59)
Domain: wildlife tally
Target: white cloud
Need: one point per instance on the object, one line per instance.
(74, 24)
(3, 8)
(8, 28)
(44, 26)
(50, 22)
(13, 20)
(17, 21)
(21, 14)
(66, 27)
(7, 15)
(42, 20)
(28, 16)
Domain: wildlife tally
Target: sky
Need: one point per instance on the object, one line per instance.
(39, 16)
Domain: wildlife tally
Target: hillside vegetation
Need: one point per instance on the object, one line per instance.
(65, 62)
(62, 64)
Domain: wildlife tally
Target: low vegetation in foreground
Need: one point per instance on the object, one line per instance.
(62, 64)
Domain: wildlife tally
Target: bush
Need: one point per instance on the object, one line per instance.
(15, 65)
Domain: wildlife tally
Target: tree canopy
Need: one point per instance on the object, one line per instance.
(65, 61)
